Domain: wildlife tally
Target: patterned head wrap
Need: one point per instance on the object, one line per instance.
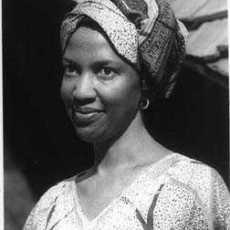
(144, 32)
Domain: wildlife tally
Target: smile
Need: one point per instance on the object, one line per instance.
(85, 116)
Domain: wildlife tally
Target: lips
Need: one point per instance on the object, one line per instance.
(85, 115)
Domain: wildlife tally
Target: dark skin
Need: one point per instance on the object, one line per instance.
(97, 78)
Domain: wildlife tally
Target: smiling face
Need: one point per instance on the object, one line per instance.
(101, 92)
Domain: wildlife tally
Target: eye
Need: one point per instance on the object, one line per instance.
(106, 73)
(70, 70)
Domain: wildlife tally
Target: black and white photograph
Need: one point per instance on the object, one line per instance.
(115, 115)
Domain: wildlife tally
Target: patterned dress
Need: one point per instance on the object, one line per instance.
(175, 193)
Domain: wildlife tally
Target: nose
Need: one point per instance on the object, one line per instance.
(84, 91)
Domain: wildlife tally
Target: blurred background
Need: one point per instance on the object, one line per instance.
(40, 147)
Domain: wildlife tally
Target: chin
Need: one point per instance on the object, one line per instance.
(88, 135)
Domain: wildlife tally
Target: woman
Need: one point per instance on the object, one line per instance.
(119, 56)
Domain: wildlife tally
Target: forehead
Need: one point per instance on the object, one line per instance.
(85, 36)
(87, 42)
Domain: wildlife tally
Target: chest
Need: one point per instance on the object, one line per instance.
(98, 195)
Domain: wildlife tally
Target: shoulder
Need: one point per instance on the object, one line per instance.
(194, 173)
(206, 185)
(192, 195)
(55, 192)
(58, 195)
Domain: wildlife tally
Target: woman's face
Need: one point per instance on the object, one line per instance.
(101, 92)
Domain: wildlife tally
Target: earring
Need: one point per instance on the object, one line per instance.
(144, 104)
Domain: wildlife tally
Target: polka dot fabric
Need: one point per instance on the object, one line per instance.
(120, 31)
(173, 194)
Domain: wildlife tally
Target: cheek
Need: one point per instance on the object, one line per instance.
(124, 94)
(65, 91)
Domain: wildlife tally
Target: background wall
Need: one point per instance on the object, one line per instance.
(39, 140)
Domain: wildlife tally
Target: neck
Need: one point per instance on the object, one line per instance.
(127, 151)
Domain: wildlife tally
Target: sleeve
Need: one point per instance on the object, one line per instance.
(220, 202)
(40, 214)
(198, 218)
(179, 208)
(212, 193)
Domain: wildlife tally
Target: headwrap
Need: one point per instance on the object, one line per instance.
(144, 32)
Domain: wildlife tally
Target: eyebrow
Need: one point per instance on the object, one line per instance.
(96, 63)
(68, 60)
(104, 62)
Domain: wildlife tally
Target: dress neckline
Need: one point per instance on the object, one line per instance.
(84, 218)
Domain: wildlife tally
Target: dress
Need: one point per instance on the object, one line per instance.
(175, 193)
